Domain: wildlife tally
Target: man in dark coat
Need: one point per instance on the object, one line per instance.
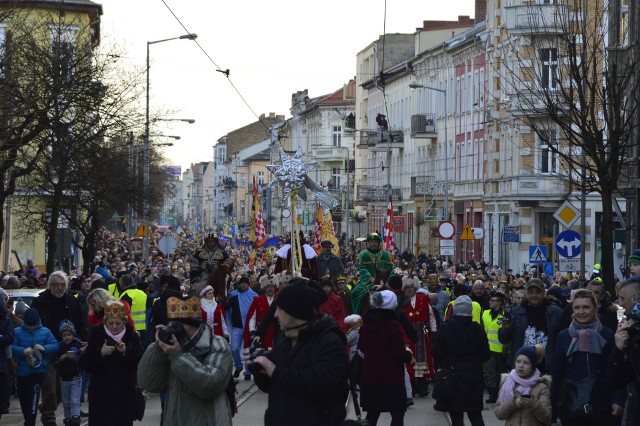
(54, 305)
(462, 344)
(171, 288)
(305, 374)
(328, 263)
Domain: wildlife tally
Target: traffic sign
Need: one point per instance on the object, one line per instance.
(447, 243)
(569, 265)
(567, 214)
(467, 233)
(511, 234)
(141, 230)
(447, 251)
(569, 244)
(446, 230)
(478, 233)
(537, 254)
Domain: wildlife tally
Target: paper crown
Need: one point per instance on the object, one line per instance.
(115, 309)
(267, 281)
(187, 309)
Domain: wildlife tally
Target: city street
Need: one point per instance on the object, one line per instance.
(253, 402)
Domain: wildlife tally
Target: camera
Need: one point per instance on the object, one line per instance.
(256, 351)
(174, 328)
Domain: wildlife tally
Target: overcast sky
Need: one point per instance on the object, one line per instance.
(273, 49)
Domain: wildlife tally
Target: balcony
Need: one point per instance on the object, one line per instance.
(335, 153)
(372, 193)
(423, 125)
(227, 183)
(380, 141)
(535, 103)
(525, 17)
(422, 185)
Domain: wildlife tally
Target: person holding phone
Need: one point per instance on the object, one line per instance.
(525, 397)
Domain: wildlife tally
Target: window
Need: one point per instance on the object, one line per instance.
(221, 155)
(242, 209)
(335, 177)
(63, 40)
(337, 135)
(549, 157)
(549, 61)
(260, 178)
(243, 180)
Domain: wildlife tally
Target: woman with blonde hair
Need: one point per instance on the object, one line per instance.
(97, 300)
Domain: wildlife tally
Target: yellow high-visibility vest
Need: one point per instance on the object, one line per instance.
(491, 327)
(138, 307)
(113, 289)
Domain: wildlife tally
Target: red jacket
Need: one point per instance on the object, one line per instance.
(334, 307)
(256, 314)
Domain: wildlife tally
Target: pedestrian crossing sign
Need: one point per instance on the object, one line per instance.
(537, 254)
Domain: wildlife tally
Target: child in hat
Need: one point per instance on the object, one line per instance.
(69, 372)
(525, 397)
(32, 346)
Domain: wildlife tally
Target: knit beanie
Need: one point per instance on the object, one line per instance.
(31, 316)
(556, 291)
(635, 257)
(462, 306)
(298, 300)
(460, 290)
(66, 325)
(20, 307)
(395, 282)
(384, 299)
(534, 353)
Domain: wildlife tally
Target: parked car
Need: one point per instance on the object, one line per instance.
(26, 294)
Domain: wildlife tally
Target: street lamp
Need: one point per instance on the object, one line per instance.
(446, 143)
(145, 208)
(184, 120)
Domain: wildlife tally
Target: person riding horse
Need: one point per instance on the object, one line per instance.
(374, 262)
(208, 257)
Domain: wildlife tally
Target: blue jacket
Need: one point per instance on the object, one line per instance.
(28, 339)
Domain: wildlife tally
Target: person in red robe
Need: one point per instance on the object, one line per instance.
(423, 319)
(258, 311)
(308, 267)
(213, 313)
(334, 306)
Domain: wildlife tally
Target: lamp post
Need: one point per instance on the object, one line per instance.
(145, 208)
(446, 143)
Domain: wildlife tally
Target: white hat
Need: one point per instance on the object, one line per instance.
(410, 282)
(265, 281)
(385, 299)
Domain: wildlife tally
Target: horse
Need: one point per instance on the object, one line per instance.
(379, 281)
(220, 280)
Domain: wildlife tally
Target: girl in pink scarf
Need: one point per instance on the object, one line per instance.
(525, 398)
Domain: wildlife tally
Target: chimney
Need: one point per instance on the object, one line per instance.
(481, 10)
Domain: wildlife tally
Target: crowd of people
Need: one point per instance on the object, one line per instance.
(540, 347)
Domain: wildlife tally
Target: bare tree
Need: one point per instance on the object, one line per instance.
(578, 96)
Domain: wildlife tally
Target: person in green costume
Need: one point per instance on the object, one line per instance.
(372, 258)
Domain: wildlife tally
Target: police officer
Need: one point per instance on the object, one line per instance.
(492, 322)
(328, 263)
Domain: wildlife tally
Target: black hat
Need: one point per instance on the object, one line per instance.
(497, 294)
(395, 282)
(298, 300)
(326, 243)
(244, 279)
(31, 316)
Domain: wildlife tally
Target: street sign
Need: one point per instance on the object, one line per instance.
(569, 265)
(447, 243)
(467, 234)
(511, 234)
(446, 230)
(569, 244)
(141, 230)
(447, 251)
(537, 254)
(478, 233)
(567, 214)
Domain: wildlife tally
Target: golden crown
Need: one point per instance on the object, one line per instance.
(115, 309)
(189, 308)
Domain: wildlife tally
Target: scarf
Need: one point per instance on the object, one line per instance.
(117, 337)
(520, 384)
(586, 338)
(209, 307)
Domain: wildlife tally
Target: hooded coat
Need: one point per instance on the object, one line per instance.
(462, 344)
(194, 381)
(309, 383)
(25, 338)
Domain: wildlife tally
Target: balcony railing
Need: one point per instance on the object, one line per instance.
(372, 193)
(423, 125)
(337, 153)
(382, 140)
(422, 185)
(525, 17)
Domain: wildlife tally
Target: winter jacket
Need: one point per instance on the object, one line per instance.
(159, 314)
(580, 366)
(68, 368)
(113, 377)
(25, 338)
(194, 381)
(462, 344)
(624, 373)
(382, 377)
(536, 410)
(514, 334)
(53, 310)
(309, 383)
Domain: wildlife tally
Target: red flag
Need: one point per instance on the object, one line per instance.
(258, 232)
(389, 242)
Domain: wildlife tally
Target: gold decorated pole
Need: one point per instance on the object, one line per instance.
(296, 248)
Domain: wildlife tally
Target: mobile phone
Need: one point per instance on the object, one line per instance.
(525, 396)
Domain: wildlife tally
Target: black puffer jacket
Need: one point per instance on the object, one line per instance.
(309, 384)
(624, 373)
(53, 310)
